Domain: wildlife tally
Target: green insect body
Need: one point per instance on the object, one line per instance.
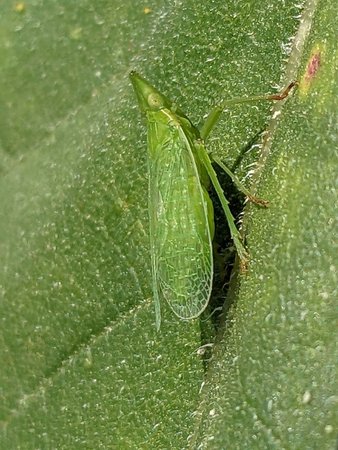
(180, 211)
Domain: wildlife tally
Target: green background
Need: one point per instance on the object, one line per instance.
(81, 363)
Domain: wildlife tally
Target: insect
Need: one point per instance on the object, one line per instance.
(181, 218)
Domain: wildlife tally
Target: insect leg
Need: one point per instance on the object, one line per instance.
(238, 183)
(215, 113)
(205, 160)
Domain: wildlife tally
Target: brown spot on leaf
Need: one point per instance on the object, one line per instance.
(312, 69)
(313, 66)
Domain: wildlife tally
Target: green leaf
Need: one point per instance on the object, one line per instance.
(274, 380)
(82, 365)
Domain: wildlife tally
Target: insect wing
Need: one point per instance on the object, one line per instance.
(180, 235)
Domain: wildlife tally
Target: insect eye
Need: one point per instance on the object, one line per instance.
(155, 101)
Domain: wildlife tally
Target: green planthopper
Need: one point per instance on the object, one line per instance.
(181, 214)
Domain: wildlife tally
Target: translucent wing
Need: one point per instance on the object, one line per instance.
(180, 235)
